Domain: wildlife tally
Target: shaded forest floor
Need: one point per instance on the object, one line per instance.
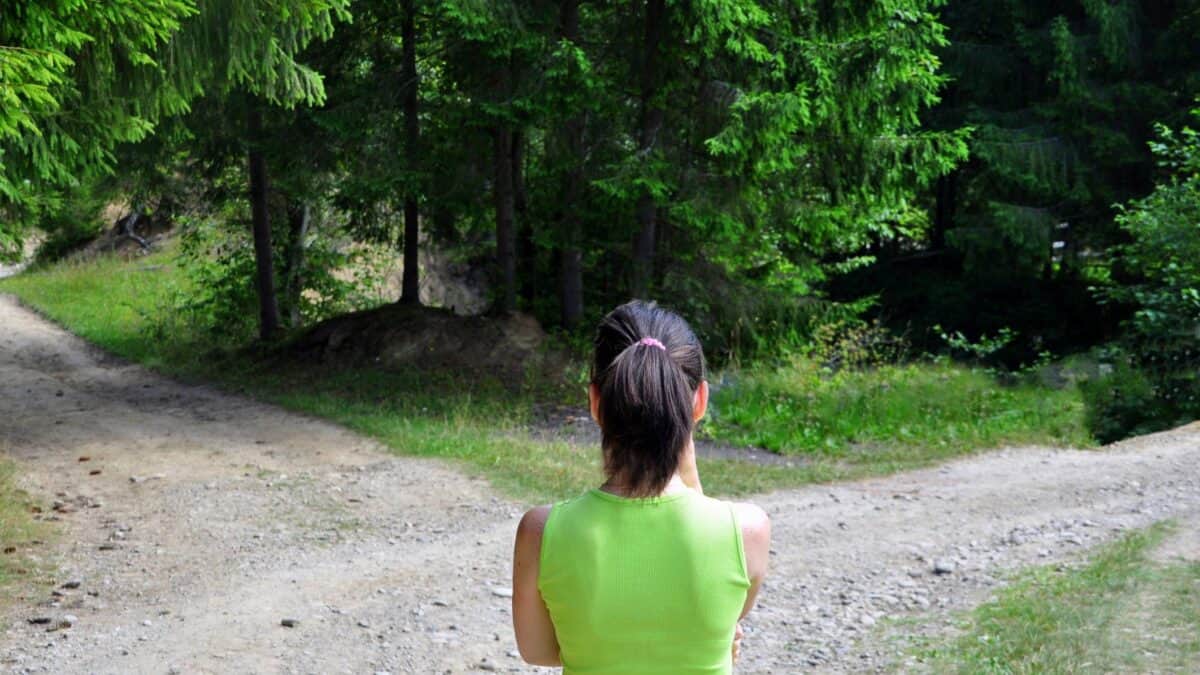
(200, 520)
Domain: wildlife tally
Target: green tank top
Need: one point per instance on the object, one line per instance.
(640, 586)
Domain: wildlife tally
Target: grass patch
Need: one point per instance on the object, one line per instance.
(847, 426)
(892, 415)
(1076, 620)
(20, 534)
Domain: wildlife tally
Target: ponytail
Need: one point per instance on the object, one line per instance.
(647, 366)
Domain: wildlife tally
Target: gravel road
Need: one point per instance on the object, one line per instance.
(195, 522)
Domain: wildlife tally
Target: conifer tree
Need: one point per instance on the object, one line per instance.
(249, 52)
(76, 79)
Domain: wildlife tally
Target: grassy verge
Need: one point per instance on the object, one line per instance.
(1119, 612)
(905, 413)
(19, 534)
(848, 426)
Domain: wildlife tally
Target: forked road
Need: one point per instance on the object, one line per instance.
(213, 518)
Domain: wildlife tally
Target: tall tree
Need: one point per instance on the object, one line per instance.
(253, 48)
(268, 318)
(1063, 97)
(410, 291)
(651, 107)
(571, 257)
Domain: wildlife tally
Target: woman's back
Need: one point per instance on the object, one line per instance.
(643, 585)
(647, 575)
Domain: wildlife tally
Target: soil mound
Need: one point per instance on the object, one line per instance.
(403, 336)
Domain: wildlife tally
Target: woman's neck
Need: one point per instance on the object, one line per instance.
(620, 488)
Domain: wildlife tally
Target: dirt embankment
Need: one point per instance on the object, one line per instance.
(200, 521)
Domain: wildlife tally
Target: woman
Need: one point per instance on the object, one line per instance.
(644, 574)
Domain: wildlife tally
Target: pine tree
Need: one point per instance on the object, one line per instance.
(76, 79)
(248, 52)
(1062, 97)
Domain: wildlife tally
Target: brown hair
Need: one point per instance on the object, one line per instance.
(646, 393)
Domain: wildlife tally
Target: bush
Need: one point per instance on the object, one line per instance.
(1163, 259)
(1122, 403)
(220, 300)
(72, 224)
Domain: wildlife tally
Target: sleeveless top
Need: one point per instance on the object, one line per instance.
(641, 586)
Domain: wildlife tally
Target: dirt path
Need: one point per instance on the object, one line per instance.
(213, 518)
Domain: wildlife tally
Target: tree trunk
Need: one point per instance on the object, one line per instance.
(526, 249)
(651, 122)
(410, 292)
(299, 216)
(502, 193)
(943, 214)
(571, 260)
(268, 304)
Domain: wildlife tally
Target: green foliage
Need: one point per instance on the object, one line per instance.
(1162, 258)
(74, 223)
(76, 79)
(980, 350)
(1122, 402)
(217, 298)
(1061, 98)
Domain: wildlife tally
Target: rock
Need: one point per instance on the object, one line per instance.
(40, 620)
(501, 592)
(867, 620)
(72, 583)
(68, 620)
(943, 566)
(289, 623)
(363, 624)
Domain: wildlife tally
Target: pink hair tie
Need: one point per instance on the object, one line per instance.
(652, 343)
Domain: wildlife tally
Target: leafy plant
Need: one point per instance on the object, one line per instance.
(1162, 261)
(983, 348)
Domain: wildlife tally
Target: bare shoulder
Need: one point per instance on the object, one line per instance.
(756, 538)
(752, 518)
(533, 523)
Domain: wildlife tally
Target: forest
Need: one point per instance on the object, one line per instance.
(1006, 184)
(297, 299)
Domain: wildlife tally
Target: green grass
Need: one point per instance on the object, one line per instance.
(892, 414)
(844, 427)
(1118, 612)
(20, 534)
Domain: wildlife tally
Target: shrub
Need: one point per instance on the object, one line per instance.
(1163, 258)
(1121, 403)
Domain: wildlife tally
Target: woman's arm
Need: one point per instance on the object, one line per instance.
(531, 620)
(756, 543)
